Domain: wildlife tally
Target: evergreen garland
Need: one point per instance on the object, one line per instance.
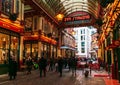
(13, 17)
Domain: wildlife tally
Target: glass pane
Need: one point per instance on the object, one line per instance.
(35, 51)
(27, 50)
(14, 47)
(4, 46)
(7, 6)
(17, 6)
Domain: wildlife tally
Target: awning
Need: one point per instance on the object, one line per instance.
(67, 47)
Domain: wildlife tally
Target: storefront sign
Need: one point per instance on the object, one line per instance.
(49, 40)
(10, 26)
(31, 38)
(74, 20)
(41, 38)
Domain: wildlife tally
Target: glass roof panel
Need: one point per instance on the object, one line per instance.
(66, 7)
(85, 9)
(89, 6)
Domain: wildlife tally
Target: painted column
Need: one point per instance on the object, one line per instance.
(39, 49)
(21, 50)
(40, 29)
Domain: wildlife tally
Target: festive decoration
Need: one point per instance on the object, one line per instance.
(49, 34)
(57, 39)
(6, 23)
(13, 17)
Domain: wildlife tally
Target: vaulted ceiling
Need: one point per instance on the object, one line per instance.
(66, 7)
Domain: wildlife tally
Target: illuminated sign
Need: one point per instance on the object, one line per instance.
(5, 23)
(77, 18)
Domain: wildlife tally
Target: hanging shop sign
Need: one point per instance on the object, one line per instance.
(75, 20)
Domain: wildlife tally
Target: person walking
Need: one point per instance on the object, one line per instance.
(51, 64)
(12, 68)
(69, 63)
(29, 64)
(56, 65)
(42, 66)
(60, 65)
(73, 65)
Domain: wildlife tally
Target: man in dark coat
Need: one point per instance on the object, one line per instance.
(42, 66)
(12, 68)
(60, 65)
(73, 65)
(29, 64)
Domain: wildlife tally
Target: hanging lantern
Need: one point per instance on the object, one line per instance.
(60, 17)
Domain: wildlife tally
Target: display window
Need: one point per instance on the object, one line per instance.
(27, 50)
(8, 47)
(31, 49)
(14, 47)
(4, 46)
(35, 51)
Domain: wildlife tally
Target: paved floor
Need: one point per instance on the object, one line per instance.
(52, 78)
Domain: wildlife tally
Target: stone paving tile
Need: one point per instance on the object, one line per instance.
(53, 78)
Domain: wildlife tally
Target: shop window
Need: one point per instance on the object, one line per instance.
(4, 46)
(35, 52)
(14, 47)
(27, 50)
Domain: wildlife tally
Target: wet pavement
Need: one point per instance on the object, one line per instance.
(52, 78)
